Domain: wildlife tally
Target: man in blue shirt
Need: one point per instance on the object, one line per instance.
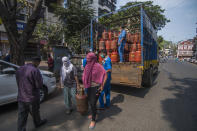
(121, 43)
(108, 67)
(84, 62)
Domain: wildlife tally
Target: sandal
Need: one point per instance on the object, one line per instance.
(92, 126)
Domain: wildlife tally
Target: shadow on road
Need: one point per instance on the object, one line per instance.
(13, 106)
(181, 111)
(113, 110)
(8, 108)
(58, 91)
(133, 91)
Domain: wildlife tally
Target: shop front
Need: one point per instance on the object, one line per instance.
(4, 44)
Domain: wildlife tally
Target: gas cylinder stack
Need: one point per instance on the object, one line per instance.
(133, 41)
(109, 43)
(132, 48)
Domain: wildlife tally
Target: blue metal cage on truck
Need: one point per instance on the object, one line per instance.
(127, 73)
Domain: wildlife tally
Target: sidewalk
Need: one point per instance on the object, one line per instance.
(43, 65)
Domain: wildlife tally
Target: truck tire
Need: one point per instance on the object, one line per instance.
(150, 77)
(156, 71)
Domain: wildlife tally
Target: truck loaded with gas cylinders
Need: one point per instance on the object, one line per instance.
(140, 51)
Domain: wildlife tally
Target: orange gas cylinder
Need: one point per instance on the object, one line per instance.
(133, 47)
(131, 38)
(109, 54)
(128, 37)
(138, 56)
(105, 35)
(137, 37)
(114, 56)
(114, 44)
(138, 46)
(126, 47)
(116, 35)
(101, 44)
(111, 35)
(81, 101)
(132, 56)
(108, 45)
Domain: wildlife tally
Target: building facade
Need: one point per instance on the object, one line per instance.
(185, 49)
(195, 47)
(33, 46)
(103, 6)
(22, 17)
(100, 6)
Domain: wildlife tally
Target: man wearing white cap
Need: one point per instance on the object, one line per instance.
(69, 80)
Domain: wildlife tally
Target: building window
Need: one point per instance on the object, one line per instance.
(185, 46)
(21, 17)
(114, 1)
(101, 2)
(180, 47)
(113, 8)
(190, 47)
(108, 4)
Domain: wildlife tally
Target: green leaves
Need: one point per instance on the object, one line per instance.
(155, 13)
(53, 33)
(74, 18)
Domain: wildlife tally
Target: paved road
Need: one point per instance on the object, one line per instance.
(170, 105)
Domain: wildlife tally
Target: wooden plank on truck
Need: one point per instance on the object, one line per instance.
(126, 74)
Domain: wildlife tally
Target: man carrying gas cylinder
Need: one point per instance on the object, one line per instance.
(121, 43)
(108, 67)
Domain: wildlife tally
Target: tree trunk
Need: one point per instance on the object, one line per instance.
(18, 42)
(17, 54)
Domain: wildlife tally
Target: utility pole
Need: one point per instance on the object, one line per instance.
(195, 43)
(64, 2)
(196, 31)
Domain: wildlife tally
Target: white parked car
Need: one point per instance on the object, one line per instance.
(193, 60)
(8, 85)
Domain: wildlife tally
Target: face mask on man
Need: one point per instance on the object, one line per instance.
(102, 56)
(66, 64)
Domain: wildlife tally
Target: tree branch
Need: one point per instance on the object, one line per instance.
(31, 23)
(14, 7)
(9, 22)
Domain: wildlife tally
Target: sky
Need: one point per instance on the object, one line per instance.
(183, 17)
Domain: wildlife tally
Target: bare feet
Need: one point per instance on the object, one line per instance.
(92, 125)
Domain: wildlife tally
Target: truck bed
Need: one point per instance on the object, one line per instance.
(127, 74)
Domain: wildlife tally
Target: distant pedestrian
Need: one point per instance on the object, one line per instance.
(7, 57)
(29, 81)
(1, 55)
(69, 80)
(177, 60)
(107, 88)
(121, 43)
(50, 63)
(94, 77)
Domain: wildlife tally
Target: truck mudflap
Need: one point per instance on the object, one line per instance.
(127, 74)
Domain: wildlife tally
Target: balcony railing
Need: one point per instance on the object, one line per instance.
(107, 3)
